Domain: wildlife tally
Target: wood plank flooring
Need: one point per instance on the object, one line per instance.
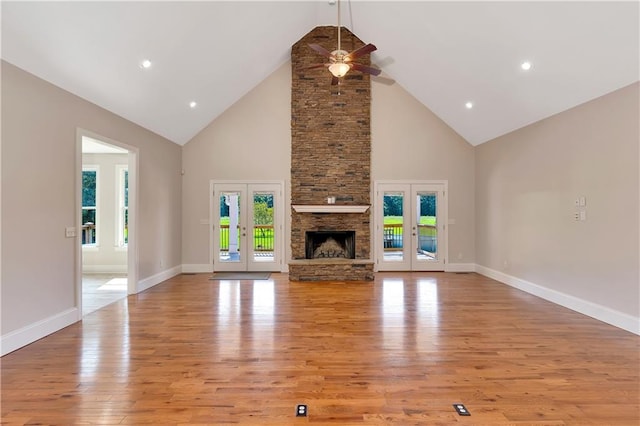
(399, 350)
(100, 290)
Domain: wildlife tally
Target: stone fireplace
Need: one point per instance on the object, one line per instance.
(330, 160)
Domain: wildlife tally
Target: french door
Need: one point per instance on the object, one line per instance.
(410, 226)
(247, 230)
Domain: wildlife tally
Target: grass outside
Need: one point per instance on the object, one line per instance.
(424, 220)
(397, 220)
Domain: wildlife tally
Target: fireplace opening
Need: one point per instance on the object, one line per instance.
(330, 244)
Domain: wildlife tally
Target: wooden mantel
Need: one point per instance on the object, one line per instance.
(330, 208)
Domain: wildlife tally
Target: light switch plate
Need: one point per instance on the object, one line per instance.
(70, 231)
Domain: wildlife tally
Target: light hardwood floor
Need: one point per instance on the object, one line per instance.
(100, 290)
(399, 350)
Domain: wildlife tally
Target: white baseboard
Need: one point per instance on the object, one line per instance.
(460, 267)
(593, 310)
(149, 282)
(104, 269)
(204, 268)
(197, 268)
(32, 332)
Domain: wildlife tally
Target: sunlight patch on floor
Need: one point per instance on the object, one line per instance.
(114, 284)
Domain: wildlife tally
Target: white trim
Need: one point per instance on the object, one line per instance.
(279, 220)
(330, 208)
(409, 187)
(133, 169)
(460, 267)
(147, 283)
(197, 268)
(133, 166)
(602, 313)
(30, 333)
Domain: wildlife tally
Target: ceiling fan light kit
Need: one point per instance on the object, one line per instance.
(339, 69)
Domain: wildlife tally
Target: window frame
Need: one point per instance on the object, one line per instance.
(122, 170)
(92, 168)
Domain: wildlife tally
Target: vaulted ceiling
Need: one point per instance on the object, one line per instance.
(444, 53)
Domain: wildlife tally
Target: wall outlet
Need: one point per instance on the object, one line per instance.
(301, 410)
(70, 231)
(461, 409)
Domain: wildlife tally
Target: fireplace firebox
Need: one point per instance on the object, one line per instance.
(330, 244)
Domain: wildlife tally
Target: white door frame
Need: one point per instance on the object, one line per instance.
(279, 214)
(132, 244)
(411, 188)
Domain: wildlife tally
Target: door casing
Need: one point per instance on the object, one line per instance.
(246, 187)
(410, 189)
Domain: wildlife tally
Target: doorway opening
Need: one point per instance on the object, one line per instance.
(106, 187)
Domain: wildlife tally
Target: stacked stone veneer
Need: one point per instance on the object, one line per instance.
(330, 156)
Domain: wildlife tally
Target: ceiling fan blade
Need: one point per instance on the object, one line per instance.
(383, 80)
(334, 81)
(364, 68)
(321, 50)
(368, 48)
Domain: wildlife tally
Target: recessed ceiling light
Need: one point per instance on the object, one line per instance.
(145, 64)
(193, 104)
(469, 105)
(526, 65)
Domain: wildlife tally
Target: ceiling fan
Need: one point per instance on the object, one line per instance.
(341, 61)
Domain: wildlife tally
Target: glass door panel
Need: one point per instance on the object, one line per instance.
(429, 212)
(393, 230)
(426, 226)
(393, 215)
(263, 228)
(229, 230)
(230, 244)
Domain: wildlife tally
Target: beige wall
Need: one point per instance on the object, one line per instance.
(39, 124)
(249, 141)
(409, 142)
(256, 133)
(526, 184)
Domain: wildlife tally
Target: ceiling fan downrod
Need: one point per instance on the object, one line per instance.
(339, 48)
